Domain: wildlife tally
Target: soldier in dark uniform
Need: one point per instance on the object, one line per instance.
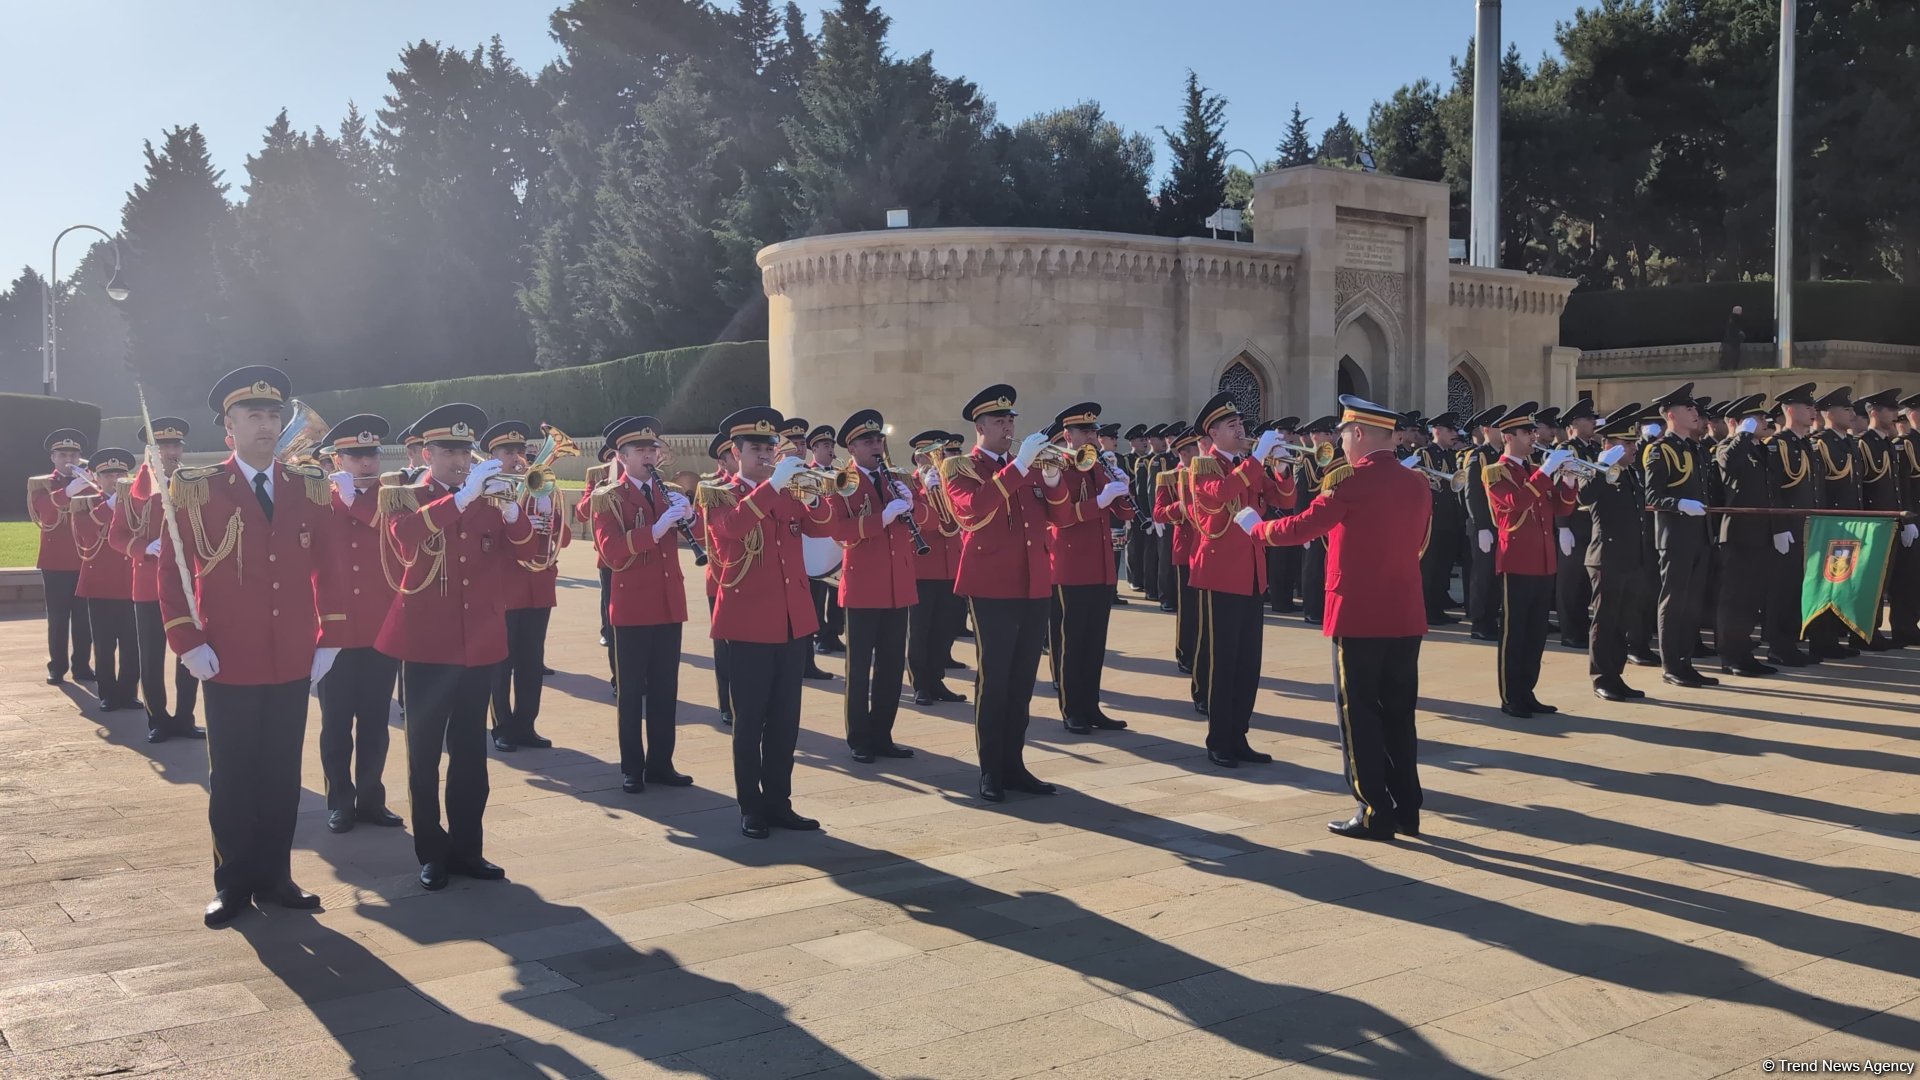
(1308, 476)
(1796, 484)
(1836, 464)
(1446, 547)
(1680, 487)
(1138, 532)
(1571, 586)
(1283, 563)
(1746, 541)
(1164, 556)
(1903, 590)
(1882, 485)
(1483, 581)
(1615, 503)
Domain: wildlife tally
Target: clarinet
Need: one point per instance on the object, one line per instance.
(685, 526)
(920, 546)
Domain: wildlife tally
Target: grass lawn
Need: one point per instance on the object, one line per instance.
(19, 543)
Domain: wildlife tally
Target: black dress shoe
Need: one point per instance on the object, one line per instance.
(754, 827)
(1166, 607)
(1478, 636)
(632, 785)
(1357, 828)
(476, 868)
(339, 821)
(56, 680)
(226, 907)
(1119, 601)
(816, 673)
(84, 675)
(1076, 725)
(1643, 659)
(1688, 679)
(953, 665)
(533, 739)
(1540, 708)
(792, 822)
(1795, 658)
(1225, 761)
(433, 876)
(380, 816)
(1200, 707)
(941, 693)
(1107, 723)
(1752, 669)
(990, 789)
(1635, 694)
(1252, 757)
(1185, 669)
(1574, 643)
(864, 757)
(1611, 690)
(544, 670)
(1518, 712)
(1408, 821)
(503, 743)
(156, 734)
(669, 778)
(289, 896)
(1031, 785)
(832, 645)
(965, 632)
(892, 751)
(921, 697)
(1822, 650)
(188, 730)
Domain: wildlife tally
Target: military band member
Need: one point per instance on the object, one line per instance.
(636, 517)
(1572, 594)
(416, 450)
(1680, 486)
(764, 613)
(1139, 532)
(1615, 503)
(49, 501)
(1483, 579)
(1080, 551)
(1446, 548)
(1109, 445)
(1882, 485)
(1230, 573)
(937, 612)
(1173, 494)
(260, 628)
(1747, 544)
(726, 476)
(1165, 560)
(1283, 563)
(583, 522)
(1308, 475)
(457, 542)
(821, 450)
(135, 532)
(1838, 468)
(1376, 517)
(529, 585)
(1524, 499)
(106, 581)
(1903, 601)
(1002, 498)
(357, 694)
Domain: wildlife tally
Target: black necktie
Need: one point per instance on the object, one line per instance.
(651, 504)
(260, 492)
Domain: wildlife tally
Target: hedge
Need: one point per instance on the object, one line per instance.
(25, 422)
(1878, 311)
(688, 389)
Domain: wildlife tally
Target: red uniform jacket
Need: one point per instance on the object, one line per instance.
(105, 574)
(722, 481)
(942, 560)
(1003, 517)
(53, 511)
(1170, 509)
(877, 567)
(764, 596)
(267, 591)
(582, 508)
(366, 573)
(1375, 516)
(1524, 502)
(1225, 559)
(451, 608)
(138, 520)
(532, 580)
(1081, 547)
(648, 587)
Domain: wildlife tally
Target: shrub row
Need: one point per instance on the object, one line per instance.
(25, 422)
(1879, 311)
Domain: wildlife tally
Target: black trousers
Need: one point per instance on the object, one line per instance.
(446, 709)
(1136, 565)
(649, 696)
(826, 605)
(154, 658)
(1683, 587)
(1523, 634)
(1572, 590)
(1483, 588)
(931, 625)
(1783, 583)
(1165, 570)
(67, 624)
(1436, 566)
(876, 669)
(1376, 682)
(1079, 626)
(1616, 614)
(254, 738)
(356, 695)
(517, 680)
(766, 722)
(1741, 603)
(722, 685)
(1230, 652)
(116, 650)
(1009, 634)
(1313, 581)
(606, 616)
(1189, 634)
(1283, 575)
(1903, 593)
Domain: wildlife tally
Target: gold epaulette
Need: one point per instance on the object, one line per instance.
(712, 495)
(605, 496)
(709, 478)
(597, 474)
(395, 478)
(319, 488)
(398, 499)
(124, 485)
(1492, 473)
(1205, 465)
(1334, 476)
(38, 484)
(188, 488)
(1168, 479)
(958, 465)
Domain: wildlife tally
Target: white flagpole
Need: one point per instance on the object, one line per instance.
(1783, 196)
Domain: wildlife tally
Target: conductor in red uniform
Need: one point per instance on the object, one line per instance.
(106, 580)
(448, 629)
(1524, 501)
(262, 625)
(1081, 554)
(138, 522)
(1376, 516)
(50, 501)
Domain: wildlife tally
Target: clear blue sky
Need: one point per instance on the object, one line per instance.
(87, 80)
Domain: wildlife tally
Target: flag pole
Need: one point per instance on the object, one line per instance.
(1783, 194)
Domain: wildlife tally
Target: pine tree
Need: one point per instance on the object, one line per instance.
(1076, 169)
(20, 319)
(1197, 184)
(1340, 144)
(1295, 148)
(175, 222)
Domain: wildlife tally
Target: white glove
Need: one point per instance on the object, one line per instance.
(1248, 517)
(323, 659)
(1411, 461)
(1566, 540)
(1486, 541)
(153, 549)
(893, 510)
(1268, 441)
(1907, 534)
(476, 479)
(1782, 542)
(201, 663)
(543, 504)
(1693, 508)
(1750, 425)
(1612, 455)
(343, 483)
(111, 499)
(1159, 528)
(1108, 494)
(77, 485)
(671, 516)
(931, 478)
(1554, 460)
(785, 470)
(1029, 449)
(510, 512)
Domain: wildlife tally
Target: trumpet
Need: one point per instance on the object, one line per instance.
(1288, 454)
(539, 479)
(1454, 481)
(1587, 470)
(1058, 458)
(814, 483)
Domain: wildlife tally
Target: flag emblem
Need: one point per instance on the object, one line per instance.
(1842, 557)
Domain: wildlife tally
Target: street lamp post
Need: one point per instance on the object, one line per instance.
(50, 326)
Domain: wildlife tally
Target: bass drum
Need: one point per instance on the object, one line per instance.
(822, 556)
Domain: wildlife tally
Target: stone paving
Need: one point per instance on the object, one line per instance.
(1682, 887)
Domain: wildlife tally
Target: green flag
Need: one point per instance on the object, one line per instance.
(1846, 570)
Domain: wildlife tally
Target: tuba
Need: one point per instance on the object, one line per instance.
(305, 431)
